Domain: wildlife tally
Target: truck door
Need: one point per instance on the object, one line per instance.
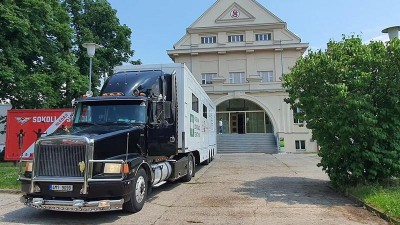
(161, 130)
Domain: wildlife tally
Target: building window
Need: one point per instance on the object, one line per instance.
(300, 145)
(296, 111)
(235, 38)
(195, 103)
(204, 111)
(209, 40)
(206, 78)
(237, 78)
(266, 76)
(263, 37)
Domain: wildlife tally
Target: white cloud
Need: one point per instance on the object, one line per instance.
(384, 38)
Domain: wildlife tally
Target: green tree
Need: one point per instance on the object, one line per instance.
(36, 66)
(95, 21)
(349, 96)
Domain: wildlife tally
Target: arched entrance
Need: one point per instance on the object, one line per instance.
(242, 116)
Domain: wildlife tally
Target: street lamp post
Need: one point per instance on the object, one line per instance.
(91, 50)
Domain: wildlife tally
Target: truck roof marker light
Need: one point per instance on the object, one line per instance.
(113, 94)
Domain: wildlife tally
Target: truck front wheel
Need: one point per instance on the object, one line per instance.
(139, 193)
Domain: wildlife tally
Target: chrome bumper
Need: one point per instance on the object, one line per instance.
(77, 205)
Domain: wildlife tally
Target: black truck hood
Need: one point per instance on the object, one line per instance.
(97, 132)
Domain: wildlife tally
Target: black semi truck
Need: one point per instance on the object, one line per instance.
(150, 124)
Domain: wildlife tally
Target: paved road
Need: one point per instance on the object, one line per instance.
(233, 189)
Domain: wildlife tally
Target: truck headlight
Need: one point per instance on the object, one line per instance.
(115, 168)
(112, 168)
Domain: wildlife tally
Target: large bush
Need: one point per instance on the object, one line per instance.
(349, 95)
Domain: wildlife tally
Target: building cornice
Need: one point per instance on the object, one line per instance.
(226, 49)
(214, 29)
(253, 88)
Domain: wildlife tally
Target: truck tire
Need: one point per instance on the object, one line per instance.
(207, 161)
(139, 193)
(190, 169)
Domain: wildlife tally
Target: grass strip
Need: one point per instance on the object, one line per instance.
(9, 175)
(386, 199)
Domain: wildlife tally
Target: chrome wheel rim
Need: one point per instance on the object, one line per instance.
(190, 167)
(140, 189)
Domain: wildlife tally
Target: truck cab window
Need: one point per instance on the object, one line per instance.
(118, 112)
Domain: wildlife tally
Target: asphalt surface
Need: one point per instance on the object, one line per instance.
(233, 189)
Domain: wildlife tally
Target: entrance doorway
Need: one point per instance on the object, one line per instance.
(238, 123)
(240, 116)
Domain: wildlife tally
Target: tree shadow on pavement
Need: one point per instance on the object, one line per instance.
(294, 190)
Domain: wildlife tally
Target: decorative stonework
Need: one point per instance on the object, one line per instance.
(254, 79)
(235, 12)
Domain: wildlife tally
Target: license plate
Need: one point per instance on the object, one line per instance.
(62, 188)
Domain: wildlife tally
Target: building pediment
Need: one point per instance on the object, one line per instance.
(234, 13)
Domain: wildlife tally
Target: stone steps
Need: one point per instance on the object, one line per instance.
(246, 143)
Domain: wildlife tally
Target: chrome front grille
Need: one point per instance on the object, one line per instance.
(61, 160)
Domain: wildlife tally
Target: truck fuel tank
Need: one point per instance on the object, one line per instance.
(161, 171)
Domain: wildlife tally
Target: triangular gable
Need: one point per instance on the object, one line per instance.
(234, 13)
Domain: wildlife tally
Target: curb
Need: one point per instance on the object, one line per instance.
(374, 210)
(368, 207)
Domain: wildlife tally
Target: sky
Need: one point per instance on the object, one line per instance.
(158, 25)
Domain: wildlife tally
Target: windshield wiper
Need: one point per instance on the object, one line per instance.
(116, 123)
(84, 124)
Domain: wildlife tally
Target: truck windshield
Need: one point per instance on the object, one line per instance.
(111, 112)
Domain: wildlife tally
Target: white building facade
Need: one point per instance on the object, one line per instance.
(238, 51)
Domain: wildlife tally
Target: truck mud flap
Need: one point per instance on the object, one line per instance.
(179, 168)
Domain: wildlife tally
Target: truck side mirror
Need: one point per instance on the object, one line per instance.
(167, 111)
(155, 113)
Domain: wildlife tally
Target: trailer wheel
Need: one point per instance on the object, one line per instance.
(190, 169)
(139, 193)
(207, 161)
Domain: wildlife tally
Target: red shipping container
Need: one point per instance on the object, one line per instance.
(25, 126)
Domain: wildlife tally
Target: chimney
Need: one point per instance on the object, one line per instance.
(392, 31)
